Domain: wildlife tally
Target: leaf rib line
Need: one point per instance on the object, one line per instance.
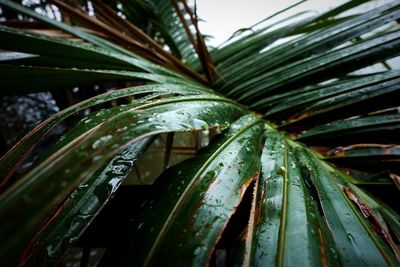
(356, 212)
(282, 233)
(189, 189)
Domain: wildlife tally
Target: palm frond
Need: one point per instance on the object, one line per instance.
(255, 195)
(93, 143)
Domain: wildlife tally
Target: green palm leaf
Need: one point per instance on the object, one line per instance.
(255, 195)
(212, 183)
(93, 146)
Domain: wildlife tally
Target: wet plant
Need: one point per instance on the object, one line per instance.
(302, 168)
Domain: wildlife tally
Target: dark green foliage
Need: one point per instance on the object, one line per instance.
(256, 195)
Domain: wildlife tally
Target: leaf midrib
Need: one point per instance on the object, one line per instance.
(282, 228)
(189, 189)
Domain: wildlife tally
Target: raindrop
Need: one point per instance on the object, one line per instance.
(50, 251)
(197, 251)
(82, 186)
(101, 141)
(96, 158)
(199, 124)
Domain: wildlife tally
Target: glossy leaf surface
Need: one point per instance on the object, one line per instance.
(94, 148)
(254, 195)
(195, 199)
(10, 161)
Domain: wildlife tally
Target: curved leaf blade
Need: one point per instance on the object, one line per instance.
(47, 78)
(14, 157)
(93, 149)
(193, 201)
(80, 208)
(382, 128)
(286, 229)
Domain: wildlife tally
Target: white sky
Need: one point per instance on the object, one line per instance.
(224, 17)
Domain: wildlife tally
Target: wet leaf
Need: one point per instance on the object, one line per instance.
(194, 200)
(93, 149)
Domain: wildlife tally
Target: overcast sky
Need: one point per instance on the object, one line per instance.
(223, 17)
